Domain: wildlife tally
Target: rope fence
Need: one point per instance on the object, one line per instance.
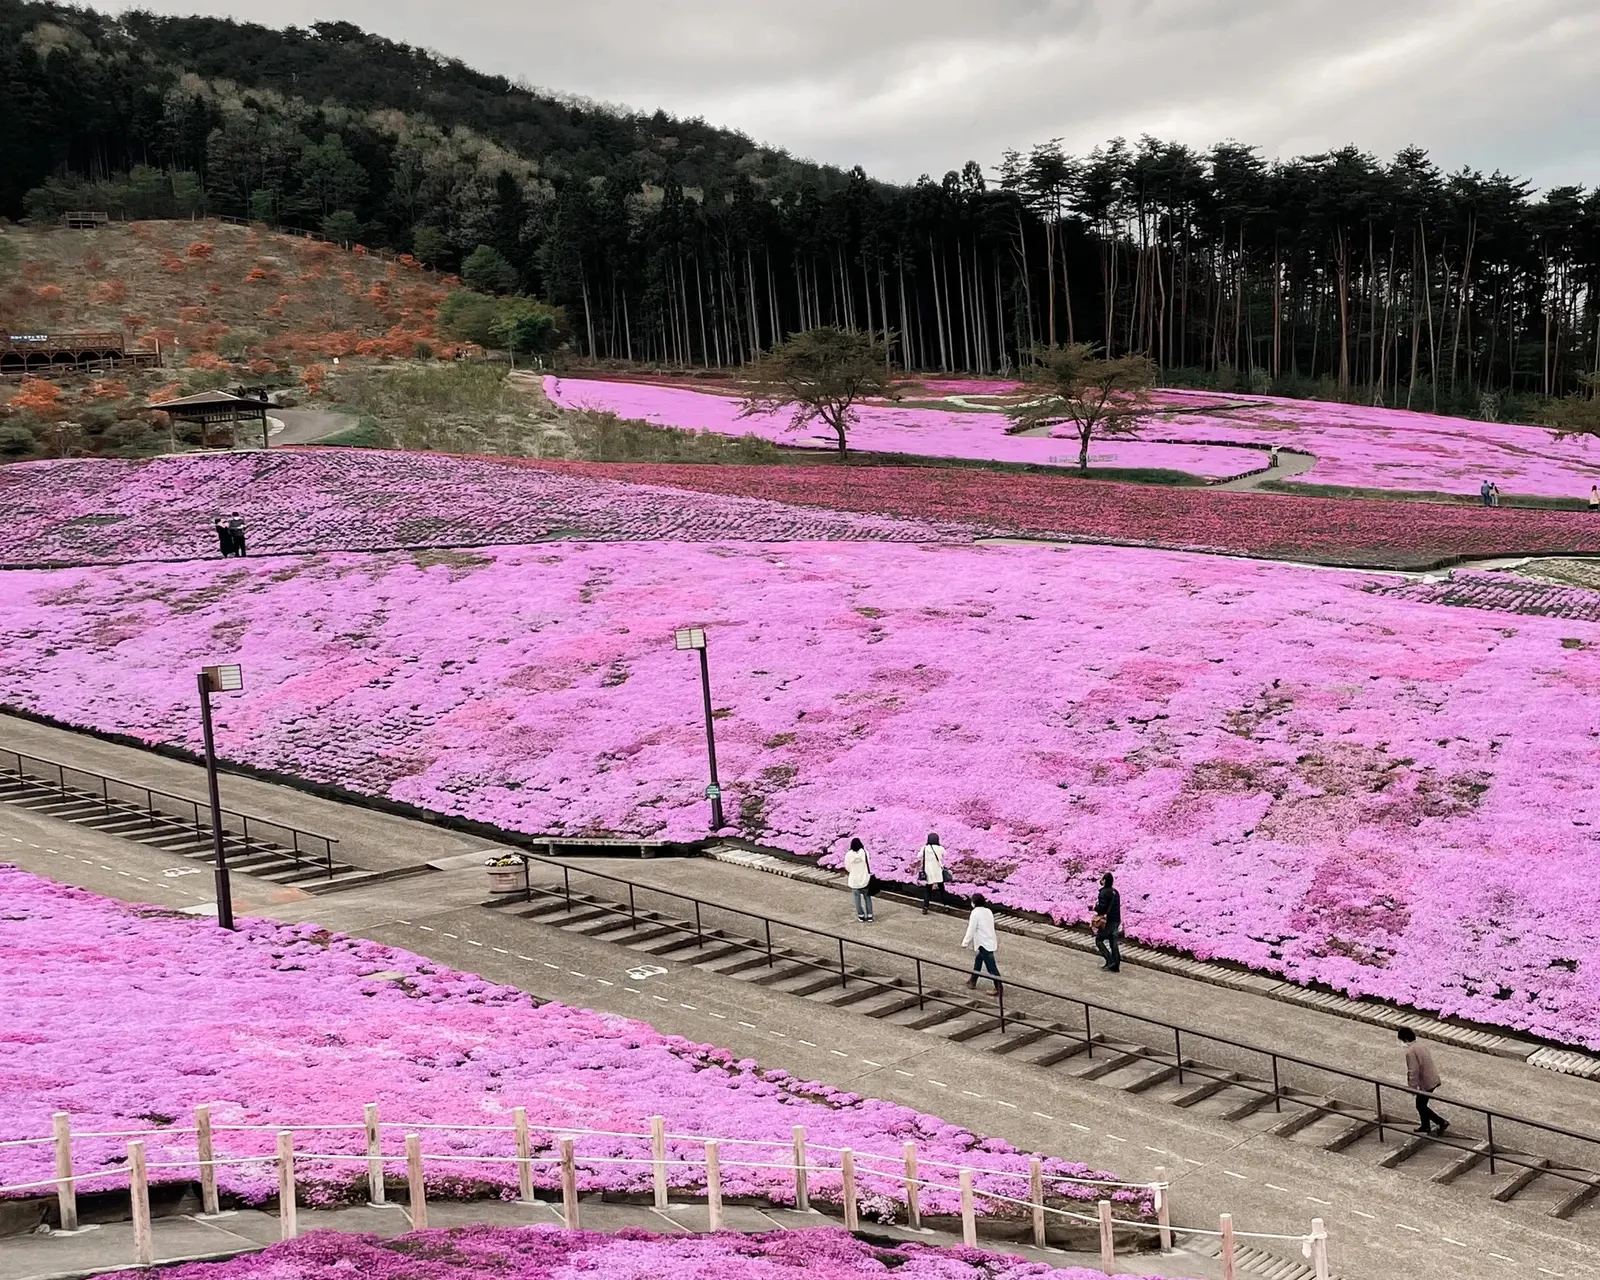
(699, 1155)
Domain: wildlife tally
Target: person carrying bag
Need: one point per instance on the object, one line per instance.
(858, 875)
(930, 870)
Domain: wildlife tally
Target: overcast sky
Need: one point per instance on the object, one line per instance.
(904, 87)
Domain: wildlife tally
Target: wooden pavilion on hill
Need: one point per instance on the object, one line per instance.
(46, 354)
(209, 408)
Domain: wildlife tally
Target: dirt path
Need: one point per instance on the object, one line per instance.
(1289, 464)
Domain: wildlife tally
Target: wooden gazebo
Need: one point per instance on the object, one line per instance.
(208, 408)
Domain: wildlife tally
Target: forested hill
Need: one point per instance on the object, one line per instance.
(94, 94)
(1338, 274)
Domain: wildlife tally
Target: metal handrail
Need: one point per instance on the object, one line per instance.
(198, 811)
(1277, 1093)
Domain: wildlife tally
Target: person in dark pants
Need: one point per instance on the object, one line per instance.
(980, 937)
(237, 527)
(1422, 1077)
(1108, 923)
(930, 870)
(224, 537)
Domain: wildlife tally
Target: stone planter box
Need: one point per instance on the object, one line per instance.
(505, 880)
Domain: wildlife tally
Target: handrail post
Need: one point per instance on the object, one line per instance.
(699, 936)
(566, 883)
(375, 1188)
(1108, 1238)
(1488, 1124)
(1163, 1210)
(920, 1003)
(1319, 1249)
(913, 1190)
(527, 878)
(802, 1183)
(66, 1189)
(1036, 1198)
(969, 1220)
(206, 1152)
(1088, 1032)
(519, 1119)
(1177, 1045)
(658, 1160)
(288, 1225)
(768, 923)
(1228, 1264)
(1277, 1097)
(569, 1186)
(1377, 1092)
(847, 1189)
(1000, 996)
(844, 980)
(713, 1187)
(139, 1197)
(633, 914)
(415, 1183)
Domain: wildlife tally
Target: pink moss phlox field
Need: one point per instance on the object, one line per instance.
(1361, 446)
(552, 1253)
(1393, 797)
(289, 1024)
(98, 510)
(932, 433)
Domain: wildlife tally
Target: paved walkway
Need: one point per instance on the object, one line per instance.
(193, 1236)
(1289, 464)
(1383, 1223)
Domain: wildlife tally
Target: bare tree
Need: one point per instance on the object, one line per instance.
(1092, 393)
(821, 374)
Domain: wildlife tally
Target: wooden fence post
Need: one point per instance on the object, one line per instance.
(519, 1121)
(1108, 1240)
(375, 1188)
(1229, 1271)
(1319, 1249)
(66, 1189)
(658, 1159)
(1036, 1195)
(288, 1227)
(569, 1185)
(419, 1191)
(206, 1150)
(1163, 1211)
(144, 1253)
(713, 1188)
(969, 1219)
(802, 1184)
(847, 1189)
(913, 1191)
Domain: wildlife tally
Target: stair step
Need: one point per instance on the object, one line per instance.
(1024, 1040)
(1466, 1161)
(1105, 1066)
(1519, 1181)
(1575, 1200)
(1405, 1151)
(865, 990)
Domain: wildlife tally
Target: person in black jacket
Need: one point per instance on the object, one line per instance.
(1108, 923)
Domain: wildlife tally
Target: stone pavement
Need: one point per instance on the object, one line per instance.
(191, 1237)
(1382, 1223)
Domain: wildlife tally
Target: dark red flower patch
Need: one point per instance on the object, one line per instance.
(1410, 535)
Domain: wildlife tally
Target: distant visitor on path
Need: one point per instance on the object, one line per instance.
(224, 536)
(236, 527)
(1594, 497)
(1494, 495)
(1108, 923)
(1483, 493)
(858, 875)
(980, 937)
(1422, 1076)
(930, 871)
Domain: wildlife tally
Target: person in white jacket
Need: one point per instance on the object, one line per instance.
(858, 875)
(980, 937)
(930, 870)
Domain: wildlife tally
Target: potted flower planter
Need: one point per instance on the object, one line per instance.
(505, 875)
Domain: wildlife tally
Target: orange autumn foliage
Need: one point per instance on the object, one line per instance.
(207, 360)
(167, 392)
(172, 263)
(200, 249)
(49, 293)
(109, 291)
(108, 389)
(192, 315)
(312, 377)
(38, 397)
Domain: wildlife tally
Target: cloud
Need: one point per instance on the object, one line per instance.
(904, 87)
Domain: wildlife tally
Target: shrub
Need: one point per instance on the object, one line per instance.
(16, 441)
(487, 271)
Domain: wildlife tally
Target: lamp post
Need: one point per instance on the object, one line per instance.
(224, 679)
(695, 638)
